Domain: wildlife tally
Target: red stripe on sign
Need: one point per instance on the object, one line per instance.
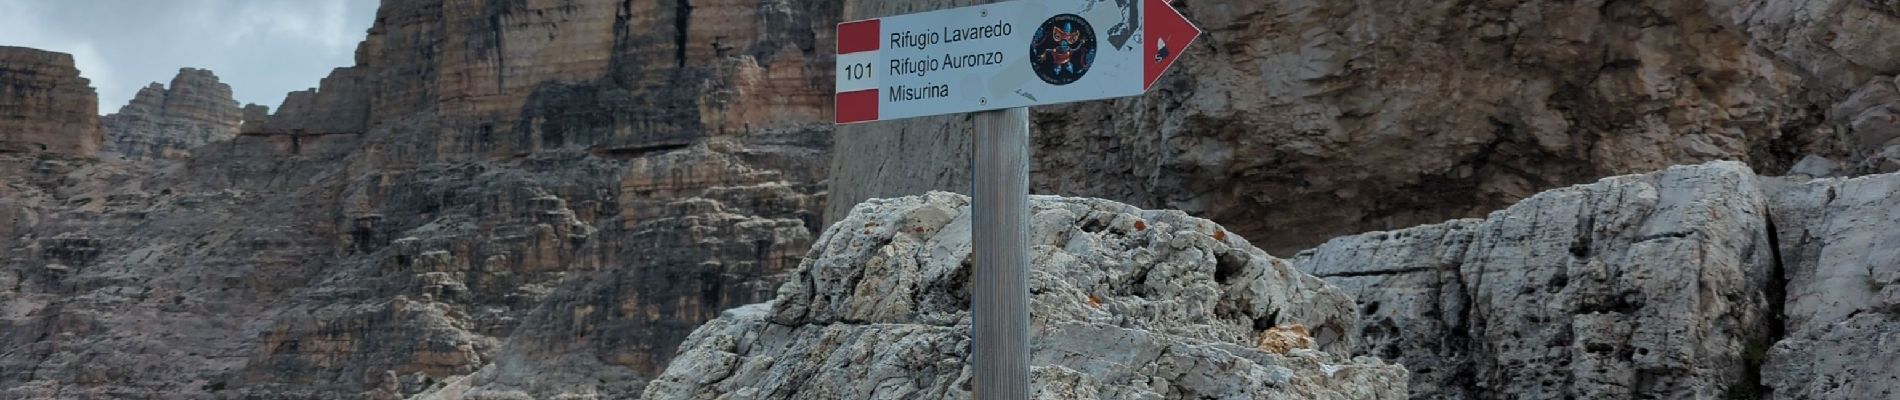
(858, 36)
(859, 106)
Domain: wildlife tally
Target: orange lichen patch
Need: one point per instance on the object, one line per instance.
(1095, 301)
(1284, 338)
(1141, 226)
(1220, 234)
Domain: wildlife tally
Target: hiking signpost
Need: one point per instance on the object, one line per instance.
(995, 60)
(1004, 55)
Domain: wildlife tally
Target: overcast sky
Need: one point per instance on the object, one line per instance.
(262, 48)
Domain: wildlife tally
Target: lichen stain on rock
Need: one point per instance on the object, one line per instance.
(1285, 338)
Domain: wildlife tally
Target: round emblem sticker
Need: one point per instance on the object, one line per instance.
(1063, 49)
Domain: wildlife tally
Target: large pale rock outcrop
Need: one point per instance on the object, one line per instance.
(1127, 304)
(45, 106)
(162, 122)
(1664, 284)
(1838, 248)
(1296, 121)
(1700, 281)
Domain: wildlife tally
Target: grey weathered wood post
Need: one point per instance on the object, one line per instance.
(1000, 212)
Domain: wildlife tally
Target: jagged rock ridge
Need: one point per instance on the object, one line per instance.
(163, 122)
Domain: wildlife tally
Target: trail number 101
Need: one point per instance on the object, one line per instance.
(857, 71)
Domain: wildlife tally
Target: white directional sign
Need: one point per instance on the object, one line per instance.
(1002, 55)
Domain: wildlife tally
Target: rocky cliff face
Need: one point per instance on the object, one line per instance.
(542, 198)
(1128, 304)
(510, 78)
(1293, 122)
(1695, 281)
(45, 107)
(1845, 49)
(163, 122)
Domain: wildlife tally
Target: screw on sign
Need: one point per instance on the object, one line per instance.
(996, 60)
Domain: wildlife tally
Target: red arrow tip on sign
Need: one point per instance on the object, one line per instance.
(1167, 34)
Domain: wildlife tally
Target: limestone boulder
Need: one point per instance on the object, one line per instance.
(1127, 304)
(1842, 273)
(1662, 284)
(1697, 281)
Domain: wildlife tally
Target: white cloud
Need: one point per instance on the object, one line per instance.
(20, 25)
(324, 23)
(92, 66)
(335, 27)
(262, 48)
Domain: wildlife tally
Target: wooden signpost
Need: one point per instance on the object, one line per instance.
(996, 60)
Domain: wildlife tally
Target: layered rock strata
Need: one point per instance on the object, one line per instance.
(162, 122)
(45, 106)
(501, 78)
(535, 199)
